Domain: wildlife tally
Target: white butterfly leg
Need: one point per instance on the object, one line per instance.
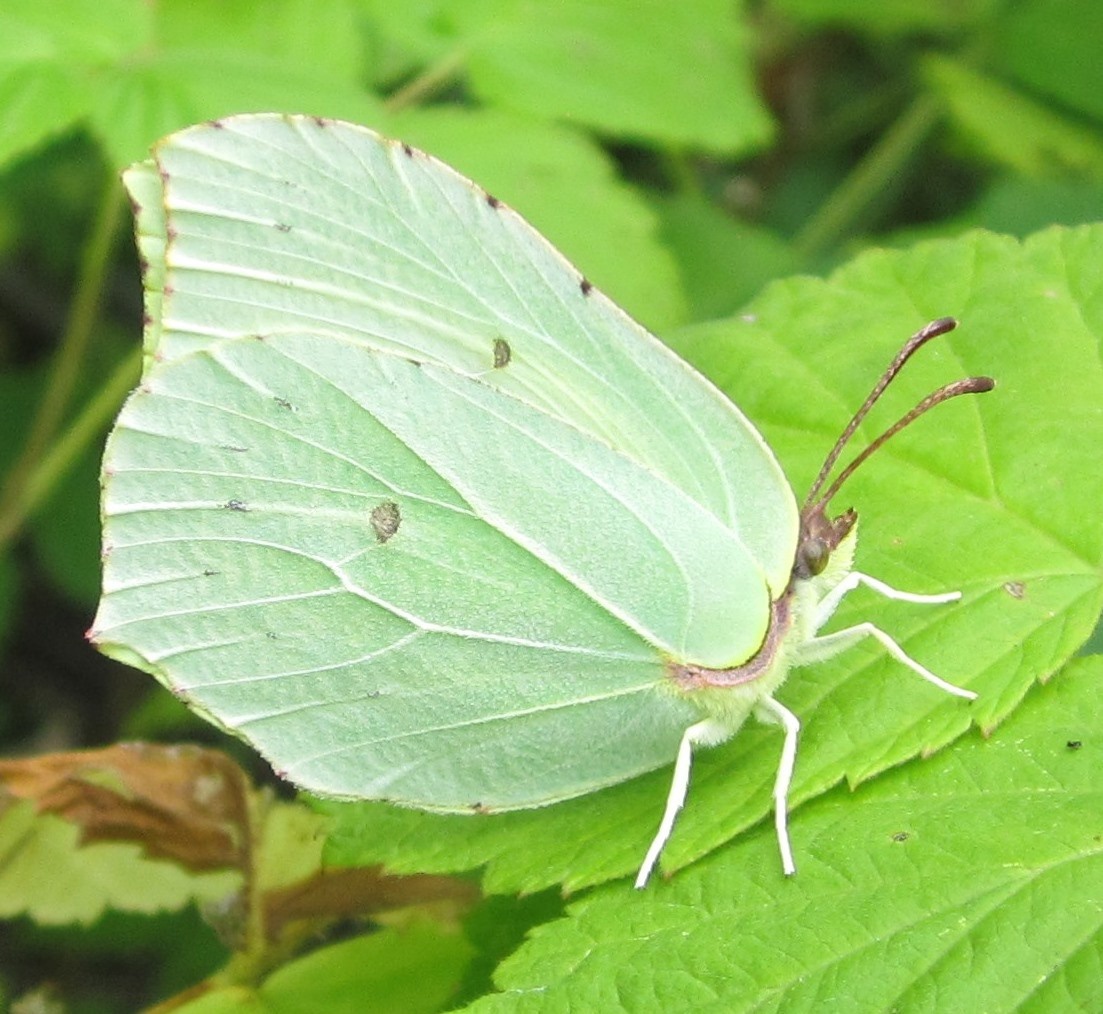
(769, 710)
(705, 733)
(823, 647)
(827, 645)
(826, 607)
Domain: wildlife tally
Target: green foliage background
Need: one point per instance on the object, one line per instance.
(683, 156)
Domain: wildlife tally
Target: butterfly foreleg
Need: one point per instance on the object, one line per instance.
(827, 645)
(827, 605)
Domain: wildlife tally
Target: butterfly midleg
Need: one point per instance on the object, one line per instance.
(776, 713)
(826, 645)
(706, 732)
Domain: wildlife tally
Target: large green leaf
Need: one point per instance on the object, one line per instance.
(999, 501)
(972, 881)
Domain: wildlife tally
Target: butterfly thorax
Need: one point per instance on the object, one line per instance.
(730, 694)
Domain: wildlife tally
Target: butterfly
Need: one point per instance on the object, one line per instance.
(408, 504)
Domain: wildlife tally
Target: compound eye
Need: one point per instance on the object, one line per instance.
(814, 555)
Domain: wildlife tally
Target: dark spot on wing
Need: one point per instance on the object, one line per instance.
(586, 286)
(385, 520)
(502, 353)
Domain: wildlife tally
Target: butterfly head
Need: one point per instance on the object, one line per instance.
(821, 535)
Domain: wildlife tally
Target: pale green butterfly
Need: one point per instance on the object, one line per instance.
(407, 504)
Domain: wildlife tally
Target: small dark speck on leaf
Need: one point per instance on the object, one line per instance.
(284, 403)
(901, 836)
(502, 353)
(408, 150)
(170, 233)
(479, 808)
(272, 635)
(493, 201)
(1016, 589)
(210, 573)
(1074, 744)
(167, 290)
(283, 227)
(231, 447)
(217, 124)
(385, 519)
(235, 505)
(586, 286)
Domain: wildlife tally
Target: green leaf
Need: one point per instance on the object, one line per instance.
(971, 881)
(997, 501)
(49, 58)
(410, 970)
(1052, 46)
(39, 100)
(723, 261)
(206, 60)
(149, 97)
(891, 16)
(1008, 127)
(319, 36)
(85, 31)
(633, 60)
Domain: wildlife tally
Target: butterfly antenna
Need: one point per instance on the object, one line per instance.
(968, 385)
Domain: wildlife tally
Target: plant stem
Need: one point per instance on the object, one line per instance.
(871, 177)
(54, 465)
(15, 504)
(427, 82)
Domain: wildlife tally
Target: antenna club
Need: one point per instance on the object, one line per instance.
(941, 326)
